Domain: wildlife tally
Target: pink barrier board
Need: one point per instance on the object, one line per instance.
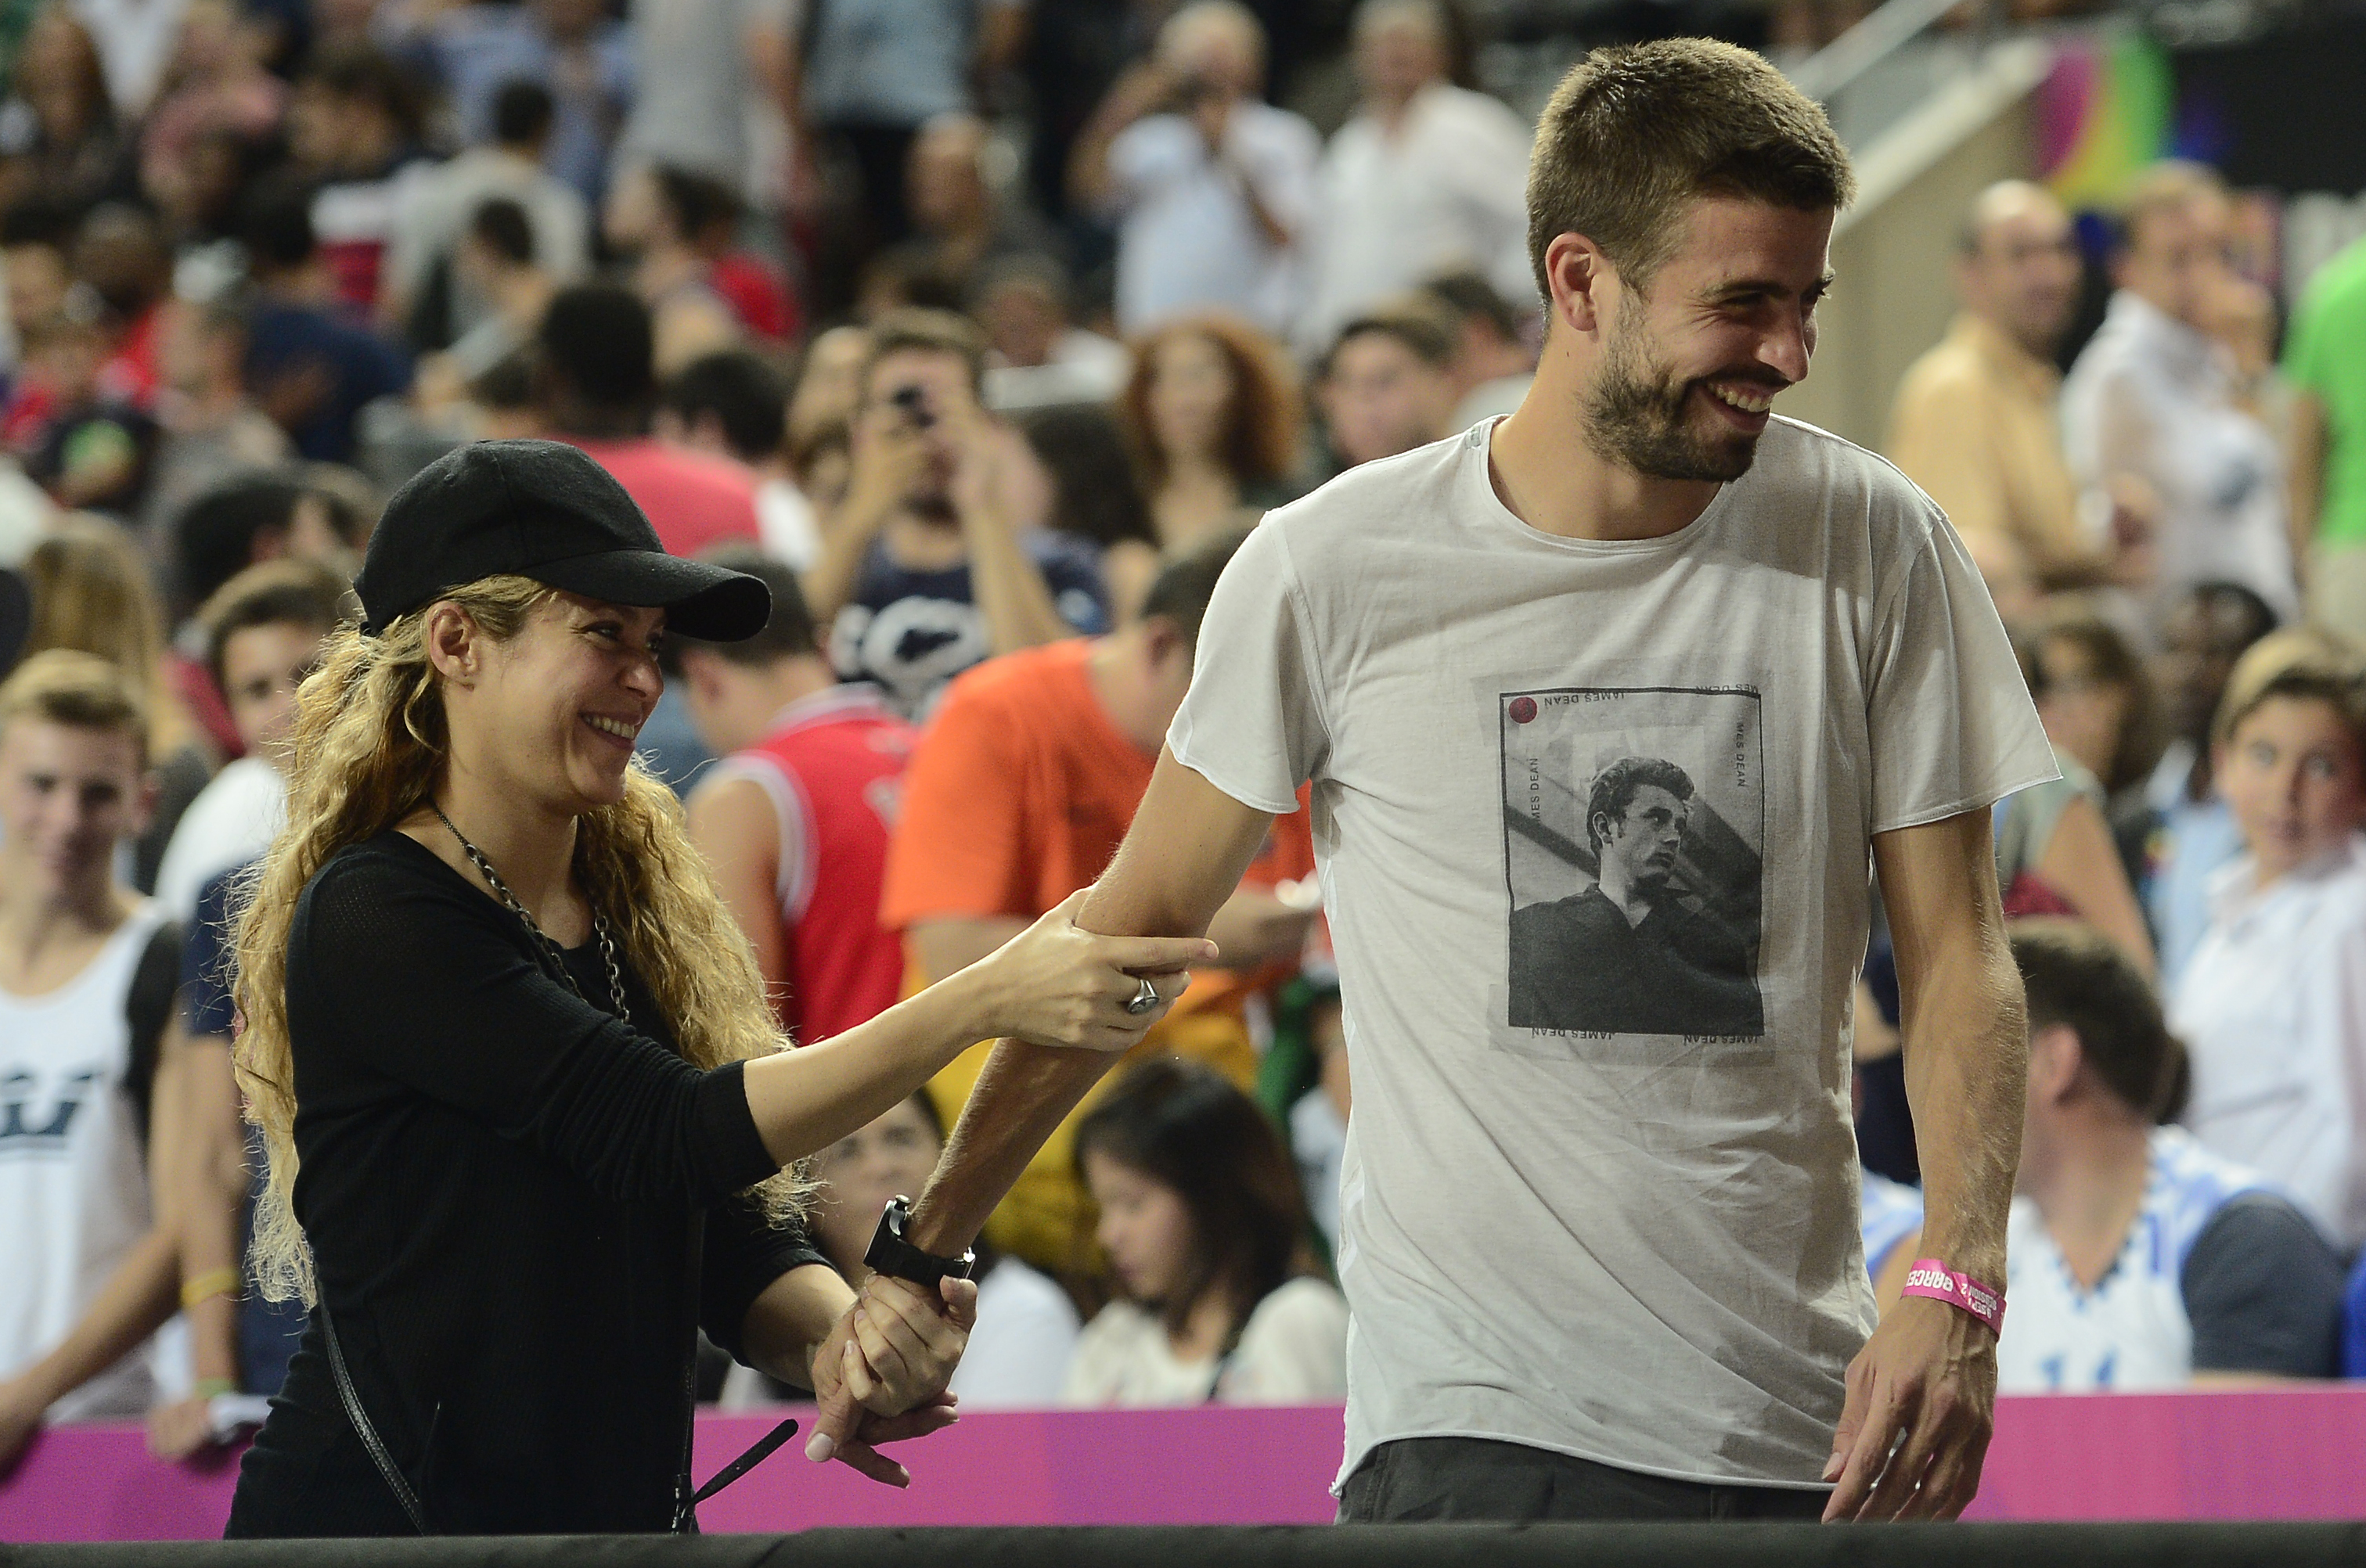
(2283, 1454)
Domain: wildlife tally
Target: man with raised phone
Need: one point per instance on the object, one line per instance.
(1598, 1272)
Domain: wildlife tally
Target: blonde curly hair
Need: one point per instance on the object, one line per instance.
(368, 750)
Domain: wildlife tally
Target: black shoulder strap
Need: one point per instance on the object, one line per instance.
(360, 1418)
(148, 1007)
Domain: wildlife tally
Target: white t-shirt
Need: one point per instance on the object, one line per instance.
(1449, 190)
(1292, 1351)
(74, 1182)
(1188, 240)
(2272, 1011)
(1020, 1346)
(1628, 1230)
(231, 822)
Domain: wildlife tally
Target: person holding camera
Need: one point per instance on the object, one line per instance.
(1212, 191)
(925, 570)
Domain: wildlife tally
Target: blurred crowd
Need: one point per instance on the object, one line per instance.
(982, 331)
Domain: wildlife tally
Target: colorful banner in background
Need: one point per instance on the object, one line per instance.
(2108, 108)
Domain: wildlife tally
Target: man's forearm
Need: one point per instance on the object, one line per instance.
(1012, 598)
(1966, 1044)
(134, 1303)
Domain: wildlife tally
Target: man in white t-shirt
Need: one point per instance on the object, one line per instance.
(1615, 1270)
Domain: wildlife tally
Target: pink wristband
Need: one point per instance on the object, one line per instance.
(1931, 1278)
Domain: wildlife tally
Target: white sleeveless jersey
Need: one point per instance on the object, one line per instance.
(2131, 1332)
(1891, 1211)
(74, 1182)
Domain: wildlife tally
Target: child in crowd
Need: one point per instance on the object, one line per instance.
(1026, 1327)
(2272, 1007)
(1207, 1234)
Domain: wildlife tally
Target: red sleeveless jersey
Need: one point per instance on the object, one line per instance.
(833, 765)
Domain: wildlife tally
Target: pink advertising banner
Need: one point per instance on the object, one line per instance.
(2296, 1454)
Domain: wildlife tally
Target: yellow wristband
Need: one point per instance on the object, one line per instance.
(223, 1280)
(212, 1387)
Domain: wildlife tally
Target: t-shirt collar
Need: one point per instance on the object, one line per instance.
(1478, 485)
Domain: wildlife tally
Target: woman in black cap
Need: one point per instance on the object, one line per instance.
(525, 1106)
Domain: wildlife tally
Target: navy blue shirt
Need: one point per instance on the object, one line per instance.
(911, 631)
(313, 371)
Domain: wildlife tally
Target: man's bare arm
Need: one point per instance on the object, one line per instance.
(1185, 855)
(1928, 1374)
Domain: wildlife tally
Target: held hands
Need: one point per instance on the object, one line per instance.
(1057, 984)
(1928, 1376)
(880, 1376)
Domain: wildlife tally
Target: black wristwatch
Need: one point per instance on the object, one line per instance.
(891, 1254)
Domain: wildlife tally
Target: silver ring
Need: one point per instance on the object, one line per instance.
(1143, 999)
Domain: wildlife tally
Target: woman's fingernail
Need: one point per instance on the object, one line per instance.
(821, 1447)
(1832, 1467)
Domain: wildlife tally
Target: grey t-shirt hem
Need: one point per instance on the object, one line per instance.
(1356, 1457)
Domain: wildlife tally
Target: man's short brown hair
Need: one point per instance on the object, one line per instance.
(289, 591)
(82, 691)
(918, 329)
(2305, 663)
(1635, 132)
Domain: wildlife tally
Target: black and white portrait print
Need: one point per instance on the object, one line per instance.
(1634, 826)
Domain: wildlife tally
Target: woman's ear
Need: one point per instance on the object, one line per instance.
(452, 642)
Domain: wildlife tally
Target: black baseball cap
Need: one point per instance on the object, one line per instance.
(542, 509)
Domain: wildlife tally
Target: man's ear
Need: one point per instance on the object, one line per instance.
(1162, 639)
(2055, 1057)
(1581, 279)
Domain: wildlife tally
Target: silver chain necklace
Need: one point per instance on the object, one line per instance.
(542, 941)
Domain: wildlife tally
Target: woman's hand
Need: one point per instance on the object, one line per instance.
(880, 1377)
(1058, 984)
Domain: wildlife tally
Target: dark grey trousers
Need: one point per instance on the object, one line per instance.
(1476, 1478)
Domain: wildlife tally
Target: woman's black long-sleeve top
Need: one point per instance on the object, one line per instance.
(504, 1188)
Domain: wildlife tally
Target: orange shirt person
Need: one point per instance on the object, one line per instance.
(1018, 795)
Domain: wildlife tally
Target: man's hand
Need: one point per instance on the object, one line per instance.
(183, 1427)
(880, 1376)
(1928, 1375)
(21, 1409)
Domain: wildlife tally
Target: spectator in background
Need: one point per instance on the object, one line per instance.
(255, 518)
(2272, 1006)
(1386, 387)
(2136, 1259)
(1318, 1118)
(599, 389)
(1891, 1220)
(86, 976)
(875, 71)
(677, 227)
(2324, 363)
(216, 83)
(958, 222)
(572, 48)
(61, 141)
(33, 238)
(2152, 398)
(700, 67)
(924, 571)
(2097, 703)
(1975, 422)
(92, 452)
(308, 365)
(263, 634)
(1088, 489)
(497, 261)
(353, 126)
(734, 404)
(1026, 1329)
(1211, 414)
(1020, 790)
(1425, 177)
(424, 296)
(794, 819)
(1213, 190)
(91, 595)
(829, 384)
(120, 255)
(2206, 632)
(209, 428)
(1491, 367)
(1220, 1298)
(1039, 355)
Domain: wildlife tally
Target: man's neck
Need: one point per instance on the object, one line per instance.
(2086, 1172)
(1548, 476)
(32, 923)
(1389, 110)
(2013, 342)
(1114, 670)
(771, 691)
(1625, 897)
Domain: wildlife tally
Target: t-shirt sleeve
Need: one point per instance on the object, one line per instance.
(1294, 1349)
(745, 1253)
(2263, 1291)
(1951, 723)
(393, 975)
(962, 834)
(2304, 357)
(206, 1007)
(1252, 724)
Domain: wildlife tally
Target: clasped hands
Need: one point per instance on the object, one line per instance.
(880, 1375)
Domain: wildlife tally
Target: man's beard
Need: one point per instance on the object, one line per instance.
(1637, 418)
